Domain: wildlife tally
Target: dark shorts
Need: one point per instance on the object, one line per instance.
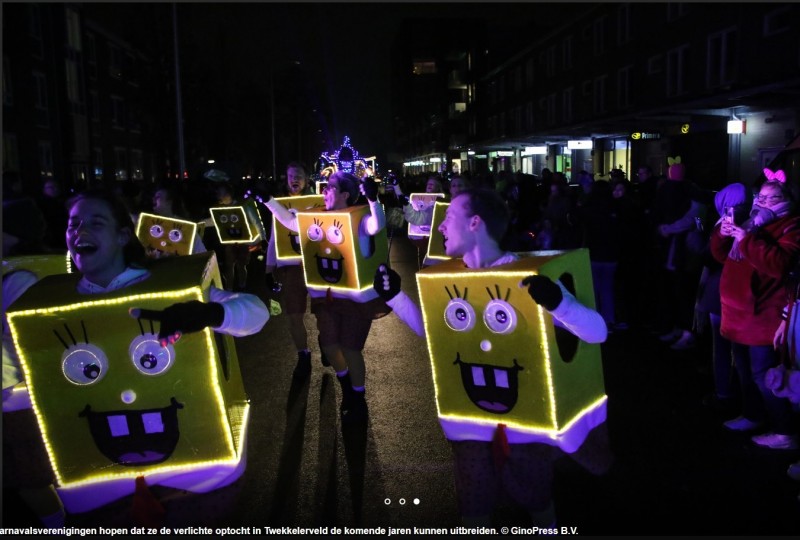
(344, 322)
(526, 479)
(294, 293)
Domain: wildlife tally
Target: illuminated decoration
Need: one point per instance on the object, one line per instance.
(420, 202)
(287, 242)
(346, 159)
(737, 127)
(676, 170)
(41, 265)
(497, 357)
(234, 225)
(685, 129)
(335, 256)
(436, 241)
(112, 404)
(166, 235)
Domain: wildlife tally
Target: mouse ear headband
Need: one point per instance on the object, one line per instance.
(777, 176)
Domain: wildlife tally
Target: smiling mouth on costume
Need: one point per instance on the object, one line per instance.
(235, 232)
(331, 270)
(491, 388)
(135, 437)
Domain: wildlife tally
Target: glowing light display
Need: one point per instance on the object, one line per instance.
(346, 159)
(497, 357)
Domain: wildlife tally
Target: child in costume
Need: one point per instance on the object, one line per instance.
(108, 257)
(344, 317)
(518, 462)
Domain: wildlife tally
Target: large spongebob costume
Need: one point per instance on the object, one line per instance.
(499, 361)
(112, 405)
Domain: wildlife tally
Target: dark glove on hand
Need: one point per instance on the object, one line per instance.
(370, 189)
(543, 291)
(182, 318)
(387, 282)
(403, 199)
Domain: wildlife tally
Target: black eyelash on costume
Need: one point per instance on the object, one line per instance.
(70, 334)
(448, 292)
(489, 292)
(64, 343)
(508, 293)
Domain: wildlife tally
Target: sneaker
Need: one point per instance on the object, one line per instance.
(672, 335)
(686, 341)
(303, 368)
(793, 471)
(776, 441)
(741, 423)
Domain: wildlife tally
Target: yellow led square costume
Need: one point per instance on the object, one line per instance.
(334, 255)
(169, 235)
(421, 202)
(498, 358)
(41, 265)
(112, 404)
(436, 243)
(287, 242)
(235, 225)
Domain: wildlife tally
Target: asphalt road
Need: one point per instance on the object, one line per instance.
(677, 471)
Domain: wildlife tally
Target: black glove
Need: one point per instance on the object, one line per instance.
(182, 318)
(387, 282)
(543, 291)
(370, 189)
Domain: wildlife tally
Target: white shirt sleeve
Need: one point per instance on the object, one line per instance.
(245, 314)
(282, 214)
(585, 323)
(408, 312)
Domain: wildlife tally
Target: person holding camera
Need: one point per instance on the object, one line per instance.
(756, 255)
(420, 216)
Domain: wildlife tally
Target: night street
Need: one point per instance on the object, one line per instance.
(677, 472)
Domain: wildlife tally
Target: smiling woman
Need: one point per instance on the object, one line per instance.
(126, 393)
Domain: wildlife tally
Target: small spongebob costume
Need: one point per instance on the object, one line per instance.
(498, 360)
(113, 405)
(335, 255)
(170, 235)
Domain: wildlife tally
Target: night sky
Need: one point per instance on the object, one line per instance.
(345, 45)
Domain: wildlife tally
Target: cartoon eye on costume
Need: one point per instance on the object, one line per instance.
(234, 218)
(156, 231)
(84, 363)
(175, 235)
(148, 356)
(459, 315)
(223, 218)
(315, 233)
(500, 317)
(334, 233)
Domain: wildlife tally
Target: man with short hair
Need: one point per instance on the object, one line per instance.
(474, 224)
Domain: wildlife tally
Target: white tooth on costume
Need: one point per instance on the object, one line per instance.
(335, 265)
(118, 425)
(477, 376)
(501, 378)
(153, 422)
(325, 264)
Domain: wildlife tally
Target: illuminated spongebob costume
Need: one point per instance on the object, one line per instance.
(112, 404)
(168, 235)
(479, 325)
(508, 373)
